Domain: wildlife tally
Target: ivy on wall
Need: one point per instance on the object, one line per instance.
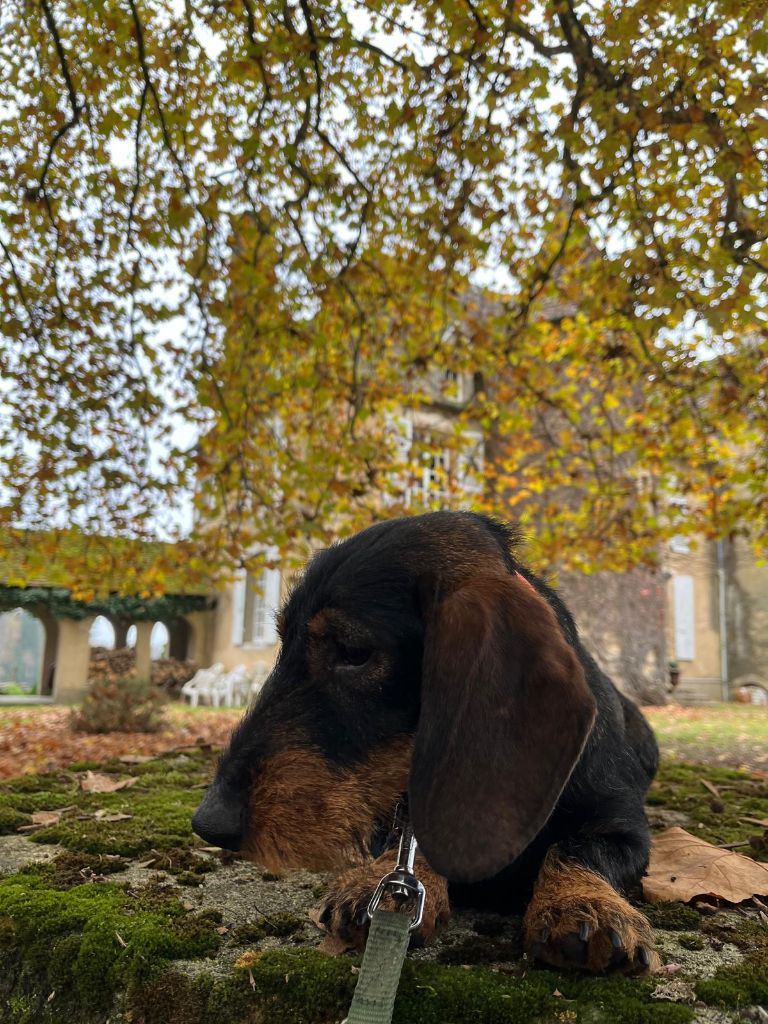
(61, 605)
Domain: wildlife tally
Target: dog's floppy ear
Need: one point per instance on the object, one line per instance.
(505, 713)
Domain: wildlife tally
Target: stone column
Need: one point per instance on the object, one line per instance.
(201, 637)
(143, 650)
(70, 681)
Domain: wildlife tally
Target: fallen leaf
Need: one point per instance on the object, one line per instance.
(135, 758)
(711, 787)
(669, 969)
(95, 782)
(109, 816)
(683, 866)
(44, 819)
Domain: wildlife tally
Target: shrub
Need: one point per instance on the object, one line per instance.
(123, 705)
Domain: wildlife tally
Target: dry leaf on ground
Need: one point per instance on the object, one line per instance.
(41, 740)
(103, 815)
(95, 782)
(683, 866)
(44, 819)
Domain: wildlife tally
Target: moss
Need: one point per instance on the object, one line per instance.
(86, 766)
(54, 782)
(743, 984)
(27, 803)
(70, 869)
(673, 917)
(300, 986)
(280, 926)
(692, 942)
(747, 934)
(10, 820)
(680, 786)
(92, 940)
(160, 819)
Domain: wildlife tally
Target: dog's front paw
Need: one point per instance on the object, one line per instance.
(343, 916)
(576, 919)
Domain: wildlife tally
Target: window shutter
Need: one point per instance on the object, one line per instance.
(238, 608)
(271, 584)
(685, 630)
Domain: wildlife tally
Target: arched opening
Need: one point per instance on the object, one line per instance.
(22, 652)
(102, 633)
(180, 640)
(159, 643)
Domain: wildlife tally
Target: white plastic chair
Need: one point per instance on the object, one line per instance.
(225, 689)
(201, 685)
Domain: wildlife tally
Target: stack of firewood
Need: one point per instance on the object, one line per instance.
(171, 674)
(107, 666)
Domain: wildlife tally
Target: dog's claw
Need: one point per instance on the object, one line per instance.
(643, 956)
(615, 939)
(325, 917)
(543, 935)
(584, 931)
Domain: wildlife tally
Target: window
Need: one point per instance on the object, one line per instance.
(431, 473)
(255, 600)
(453, 387)
(680, 545)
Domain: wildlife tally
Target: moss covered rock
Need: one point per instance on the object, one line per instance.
(132, 923)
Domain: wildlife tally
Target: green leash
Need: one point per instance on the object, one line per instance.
(376, 989)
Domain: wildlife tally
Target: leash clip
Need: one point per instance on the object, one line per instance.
(402, 883)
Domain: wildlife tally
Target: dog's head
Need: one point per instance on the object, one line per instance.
(415, 659)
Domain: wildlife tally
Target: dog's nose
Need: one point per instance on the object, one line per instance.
(218, 821)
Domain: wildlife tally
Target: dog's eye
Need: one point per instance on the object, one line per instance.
(352, 657)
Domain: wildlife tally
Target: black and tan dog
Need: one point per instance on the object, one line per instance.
(420, 658)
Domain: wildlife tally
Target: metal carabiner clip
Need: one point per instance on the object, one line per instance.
(402, 883)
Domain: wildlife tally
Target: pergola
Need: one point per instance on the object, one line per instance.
(33, 579)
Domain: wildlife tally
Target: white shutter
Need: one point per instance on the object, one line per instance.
(266, 601)
(238, 608)
(684, 618)
(271, 584)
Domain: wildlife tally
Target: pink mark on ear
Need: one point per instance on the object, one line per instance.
(526, 582)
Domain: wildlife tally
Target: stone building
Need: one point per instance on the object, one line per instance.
(717, 620)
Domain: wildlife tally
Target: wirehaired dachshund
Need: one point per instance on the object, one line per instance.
(421, 660)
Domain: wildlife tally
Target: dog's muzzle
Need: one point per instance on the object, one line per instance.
(220, 819)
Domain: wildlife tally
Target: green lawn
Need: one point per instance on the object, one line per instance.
(721, 734)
